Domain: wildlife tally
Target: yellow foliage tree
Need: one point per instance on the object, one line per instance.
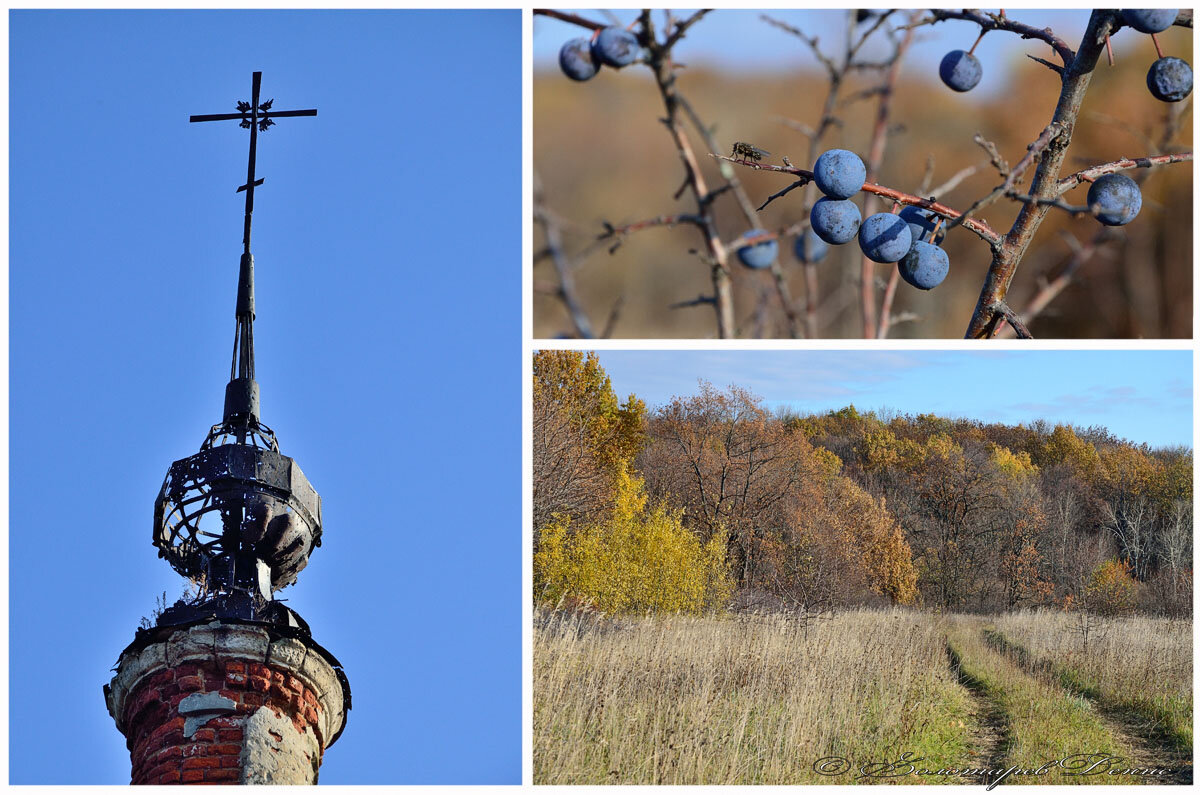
(639, 560)
(1015, 465)
(1112, 589)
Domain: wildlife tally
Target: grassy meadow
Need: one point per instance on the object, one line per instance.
(760, 699)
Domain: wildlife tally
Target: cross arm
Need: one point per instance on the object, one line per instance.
(269, 114)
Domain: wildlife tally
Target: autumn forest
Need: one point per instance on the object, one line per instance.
(714, 499)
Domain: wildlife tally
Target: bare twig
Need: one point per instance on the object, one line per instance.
(811, 41)
(1088, 174)
(1055, 202)
(664, 75)
(1053, 66)
(954, 181)
(1000, 22)
(1033, 153)
(885, 308)
(1003, 310)
(734, 184)
(613, 316)
(779, 194)
(700, 300)
(874, 163)
(997, 160)
(574, 19)
(562, 266)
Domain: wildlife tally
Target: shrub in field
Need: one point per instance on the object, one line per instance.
(1112, 590)
(638, 560)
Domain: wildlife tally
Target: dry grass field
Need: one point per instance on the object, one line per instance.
(758, 700)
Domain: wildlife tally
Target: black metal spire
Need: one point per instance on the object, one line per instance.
(239, 518)
(241, 394)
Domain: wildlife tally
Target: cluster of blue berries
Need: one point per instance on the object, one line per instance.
(1169, 79)
(613, 46)
(907, 239)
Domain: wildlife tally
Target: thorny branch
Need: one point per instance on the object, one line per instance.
(1089, 174)
(979, 228)
(1047, 153)
(1077, 75)
(988, 22)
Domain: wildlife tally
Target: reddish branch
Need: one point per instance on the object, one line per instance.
(977, 227)
(1089, 174)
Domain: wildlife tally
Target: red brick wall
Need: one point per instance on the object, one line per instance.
(162, 755)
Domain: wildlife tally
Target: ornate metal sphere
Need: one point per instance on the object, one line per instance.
(237, 515)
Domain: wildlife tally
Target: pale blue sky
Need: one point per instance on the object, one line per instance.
(1144, 396)
(735, 39)
(372, 302)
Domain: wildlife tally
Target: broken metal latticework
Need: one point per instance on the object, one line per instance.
(238, 518)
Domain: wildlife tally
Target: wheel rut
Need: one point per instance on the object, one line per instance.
(1149, 747)
(989, 738)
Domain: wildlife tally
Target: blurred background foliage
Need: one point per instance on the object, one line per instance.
(601, 154)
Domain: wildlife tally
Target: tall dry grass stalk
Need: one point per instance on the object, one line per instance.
(678, 700)
(1138, 663)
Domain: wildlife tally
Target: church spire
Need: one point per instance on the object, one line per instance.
(227, 685)
(241, 395)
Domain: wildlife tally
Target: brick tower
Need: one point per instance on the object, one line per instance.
(227, 685)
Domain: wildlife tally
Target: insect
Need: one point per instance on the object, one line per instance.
(748, 152)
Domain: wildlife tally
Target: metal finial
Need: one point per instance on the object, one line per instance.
(241, 395)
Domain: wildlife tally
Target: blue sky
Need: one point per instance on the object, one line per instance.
(735, 39)
(385, 251)
(1144, 396)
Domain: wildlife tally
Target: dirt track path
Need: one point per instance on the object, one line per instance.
(1148, 748)
(989, 740)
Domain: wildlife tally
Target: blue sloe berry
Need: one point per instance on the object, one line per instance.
(615, 46)
(960, 70)
(810, 248)
(839, 173)
(1169, 79)
(576, 61)
(1149, 20)
(835, 220)
(924, 266)
(761, 254)
(884, 237)
(1118, 197)
(921, 223)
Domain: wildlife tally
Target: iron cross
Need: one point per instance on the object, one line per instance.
(256, 117)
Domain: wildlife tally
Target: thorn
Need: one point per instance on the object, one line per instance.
(1046, 63)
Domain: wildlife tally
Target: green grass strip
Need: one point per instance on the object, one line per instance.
(1053, 737)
